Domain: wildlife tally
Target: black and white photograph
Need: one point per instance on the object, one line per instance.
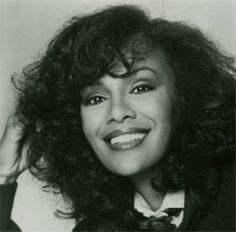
(117, 116)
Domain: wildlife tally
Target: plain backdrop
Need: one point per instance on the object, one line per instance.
(26, 27)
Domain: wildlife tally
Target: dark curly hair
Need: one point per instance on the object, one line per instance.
(85, 49)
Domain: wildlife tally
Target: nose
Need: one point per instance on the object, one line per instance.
(119, 111)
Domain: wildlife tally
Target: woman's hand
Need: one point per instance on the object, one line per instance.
(12, 164)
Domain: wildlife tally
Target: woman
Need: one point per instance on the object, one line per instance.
(127, 116)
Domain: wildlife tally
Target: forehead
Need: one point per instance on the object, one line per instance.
(153, 65)
(155, 61)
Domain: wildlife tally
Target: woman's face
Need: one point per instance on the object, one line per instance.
(127, 121)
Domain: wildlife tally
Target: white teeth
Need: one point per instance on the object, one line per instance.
(127, 138)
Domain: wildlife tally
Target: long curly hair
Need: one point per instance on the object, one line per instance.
(85, 49)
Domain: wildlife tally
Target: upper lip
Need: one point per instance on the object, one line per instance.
(116, 133)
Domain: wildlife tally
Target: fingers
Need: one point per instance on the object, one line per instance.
(11, 163)
(12, 129)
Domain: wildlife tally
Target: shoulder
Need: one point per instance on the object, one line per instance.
(221, 215)
(7, 193)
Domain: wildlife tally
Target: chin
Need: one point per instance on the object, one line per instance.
(127, 169)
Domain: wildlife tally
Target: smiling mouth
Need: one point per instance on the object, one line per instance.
(118, 140)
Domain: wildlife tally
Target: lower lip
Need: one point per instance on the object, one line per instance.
(126, 146)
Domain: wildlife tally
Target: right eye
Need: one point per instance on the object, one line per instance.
(95, 100)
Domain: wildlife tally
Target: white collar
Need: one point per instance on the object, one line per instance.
(171, 200)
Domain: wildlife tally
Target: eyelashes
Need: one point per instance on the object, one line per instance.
(142, 88)
(97, 98)
(94, 100)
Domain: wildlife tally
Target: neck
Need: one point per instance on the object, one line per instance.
(142, 184)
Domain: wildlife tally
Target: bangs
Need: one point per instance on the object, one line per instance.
(107, 58)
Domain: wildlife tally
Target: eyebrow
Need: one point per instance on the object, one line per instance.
(133, 72)
(96, 83)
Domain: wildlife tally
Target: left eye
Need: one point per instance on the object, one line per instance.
(141, 89)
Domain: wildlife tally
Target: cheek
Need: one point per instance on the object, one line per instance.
(156, 108)
(91, 122)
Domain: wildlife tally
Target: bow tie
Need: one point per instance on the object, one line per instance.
(163, 223)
